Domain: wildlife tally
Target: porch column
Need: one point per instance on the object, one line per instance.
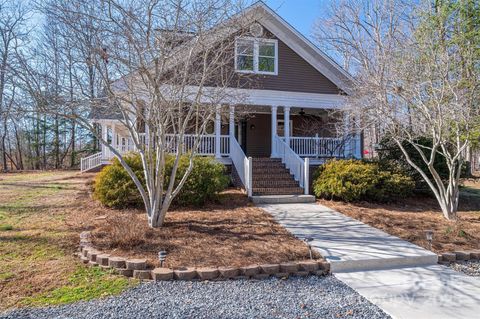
(274, 130)
(286, 120)
(347, 136)
(105, 138)
(358, 137)
(231, 122)
(114, 138)
(218, 128)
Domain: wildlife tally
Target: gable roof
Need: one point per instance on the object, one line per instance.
(263, 14)
(301, 45)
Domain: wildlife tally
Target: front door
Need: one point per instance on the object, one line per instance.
(257, 136)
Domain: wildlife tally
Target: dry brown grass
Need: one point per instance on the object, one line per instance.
(231, 232)
(48, 210)
(44, 212)
(410, 218)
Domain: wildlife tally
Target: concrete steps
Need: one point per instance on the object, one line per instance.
(283, 199)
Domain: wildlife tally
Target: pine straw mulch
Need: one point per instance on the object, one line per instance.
(410, 218)
(231, 232)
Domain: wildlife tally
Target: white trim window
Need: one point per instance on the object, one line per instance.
(254, 55)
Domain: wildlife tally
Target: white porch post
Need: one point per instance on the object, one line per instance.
(274, 130)
(105, 138)
(358, 138)
(114, 137)
(231, 122)
(347, 136)
(231, 125)
(286, 120)
(218, 128)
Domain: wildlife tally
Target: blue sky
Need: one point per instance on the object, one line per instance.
(301, 14)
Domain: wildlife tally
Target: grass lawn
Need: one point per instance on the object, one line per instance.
(410, 218)
(38, 236)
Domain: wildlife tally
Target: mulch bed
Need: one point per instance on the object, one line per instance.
(231, 232)
(410, 218)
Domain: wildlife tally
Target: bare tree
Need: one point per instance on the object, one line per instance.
(12, 35)
(417, 77)
(173, 65)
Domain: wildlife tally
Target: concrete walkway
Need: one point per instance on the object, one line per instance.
(399, 277)
(426, 292)
(346, 243)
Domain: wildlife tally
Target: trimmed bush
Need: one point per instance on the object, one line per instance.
(203, 184)
(114, 188)
(353, 180)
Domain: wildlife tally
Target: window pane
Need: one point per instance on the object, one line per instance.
(266, 49)
(245, 62)
(245, 47)
(266, 64)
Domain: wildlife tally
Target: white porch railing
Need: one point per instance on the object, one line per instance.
(317, 146)
(298, 167)
(325, 146)
(242, 164)
(90, 162)
(206, 145)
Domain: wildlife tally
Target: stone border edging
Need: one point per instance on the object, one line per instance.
(459, 255)
(137, 268)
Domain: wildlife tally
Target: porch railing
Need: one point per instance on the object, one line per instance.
(318, 146)
(324, 146)
(242, 164)
(298, 167)
(206, 144)
(89, 162)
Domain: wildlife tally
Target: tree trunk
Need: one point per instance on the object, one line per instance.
(19, 147)
(4, 146)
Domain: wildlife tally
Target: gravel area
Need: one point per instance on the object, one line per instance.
(471, 267)
(311, 297)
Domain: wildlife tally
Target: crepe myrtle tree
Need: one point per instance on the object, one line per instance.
(416, 77)
(166, 68)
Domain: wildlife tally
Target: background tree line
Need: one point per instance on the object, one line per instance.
(44, 61)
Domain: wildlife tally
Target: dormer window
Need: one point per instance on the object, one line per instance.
(255, 55)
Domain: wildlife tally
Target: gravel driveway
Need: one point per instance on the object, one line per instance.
(471, 267)
(311, 297)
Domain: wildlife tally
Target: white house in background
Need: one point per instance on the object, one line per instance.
(296, 88)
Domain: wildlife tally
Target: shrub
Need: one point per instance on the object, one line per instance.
(205, 181)
(114, 187)
(353, 180)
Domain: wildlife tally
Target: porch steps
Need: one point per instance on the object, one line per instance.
(283, 199)
(270, 177)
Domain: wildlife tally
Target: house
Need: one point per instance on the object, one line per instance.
(290, 128)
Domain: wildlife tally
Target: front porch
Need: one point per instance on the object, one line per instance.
(301, 129)
(298, 137)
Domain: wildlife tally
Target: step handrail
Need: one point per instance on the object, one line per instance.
(90, 162)
(299, 168)
(242, 164)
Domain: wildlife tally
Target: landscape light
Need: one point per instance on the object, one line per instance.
(162, 255)
(429, 235)
(307, 240)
